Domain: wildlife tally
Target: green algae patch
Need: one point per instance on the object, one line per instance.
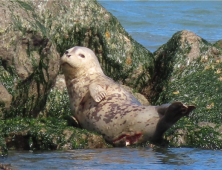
(195, 81)
(3, 147)
(218, 44)
(193, 76)
(45, 134)
(190, 134)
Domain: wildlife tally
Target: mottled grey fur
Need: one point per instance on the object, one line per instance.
(99, 104)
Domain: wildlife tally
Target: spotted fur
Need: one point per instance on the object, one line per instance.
(99, 104)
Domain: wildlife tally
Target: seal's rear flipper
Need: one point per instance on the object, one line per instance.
(173, 113)
(176, 111)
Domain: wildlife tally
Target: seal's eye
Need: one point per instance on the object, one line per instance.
(81, 55)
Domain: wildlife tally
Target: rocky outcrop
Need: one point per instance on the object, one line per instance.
(33, 97)
(175, 59)
(192, 74)
(5, 166)
(30, 59)
(218, 44)
(46, 134)
(188, 69)
(5, 100)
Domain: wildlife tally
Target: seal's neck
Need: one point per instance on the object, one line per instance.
(83, 78)
(78, 73)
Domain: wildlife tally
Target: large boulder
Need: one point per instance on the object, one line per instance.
(29, 57)
(188, 69)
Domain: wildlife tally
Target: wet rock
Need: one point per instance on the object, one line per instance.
(188, 69)
(204, 124)
(46, 134)
(218, 44)
(179, 138)
(30, 58)
(178, 58)
(5, 166)
(5, 99)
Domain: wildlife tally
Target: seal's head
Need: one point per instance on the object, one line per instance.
(78, 61)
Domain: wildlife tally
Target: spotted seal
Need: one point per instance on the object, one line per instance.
(99, 104)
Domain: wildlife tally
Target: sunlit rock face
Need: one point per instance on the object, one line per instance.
(190, 71)
(29, 60)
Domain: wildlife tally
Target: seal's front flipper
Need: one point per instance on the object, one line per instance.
(72, 121)
(97, 92)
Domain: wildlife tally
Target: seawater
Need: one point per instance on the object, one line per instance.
(152, 23)
(117, 158)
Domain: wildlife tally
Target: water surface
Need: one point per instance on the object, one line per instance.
(117, 158)
(152, 23)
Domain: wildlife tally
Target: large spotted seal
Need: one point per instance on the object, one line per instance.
(99, 104)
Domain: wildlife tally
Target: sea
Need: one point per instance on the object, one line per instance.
(152, 23)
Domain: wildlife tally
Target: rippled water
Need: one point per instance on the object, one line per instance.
(117, 158)
(152, 23)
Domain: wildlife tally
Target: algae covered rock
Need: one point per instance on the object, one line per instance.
(188, 69)
(29, 57)
(5, 100)
(47, 134)
(218, 44)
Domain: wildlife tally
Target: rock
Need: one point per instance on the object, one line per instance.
(5, 166)
(204, 124)
(218, 44)
(179, 138)
(141, 98)
(47, 134)
(5, 99)
(175, 58)
(29, 56)
(188, 69)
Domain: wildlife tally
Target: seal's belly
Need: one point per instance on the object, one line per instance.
(114, 119)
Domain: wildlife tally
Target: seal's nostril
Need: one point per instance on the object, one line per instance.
(66, 52)
(68, 55)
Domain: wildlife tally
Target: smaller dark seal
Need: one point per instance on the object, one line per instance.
(99, 104)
